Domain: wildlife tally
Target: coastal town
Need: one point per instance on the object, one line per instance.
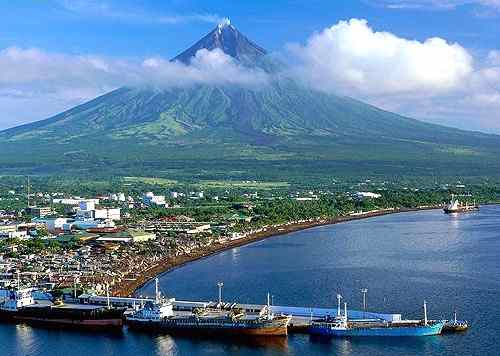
(118, 241)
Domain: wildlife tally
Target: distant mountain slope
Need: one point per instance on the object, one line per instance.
(282, 120)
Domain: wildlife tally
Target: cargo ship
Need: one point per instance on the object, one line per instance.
(159, 315)
(20, 306)
(454, 206)
(341, 326)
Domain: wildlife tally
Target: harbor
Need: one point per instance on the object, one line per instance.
(161, 313)
(248, 272)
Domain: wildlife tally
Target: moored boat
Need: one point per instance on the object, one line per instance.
(159, 315)
(455, 325)
(341, 326)
(20, 306)
(454, 206)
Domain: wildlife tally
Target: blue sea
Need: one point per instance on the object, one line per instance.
(451, 261)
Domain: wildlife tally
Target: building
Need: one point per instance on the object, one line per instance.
(55, 224)
(88, 211)
(151, 199)
(87, 205)
(39, 212)
(198, 229)
(367, 195)
(129, 236)
(11, 231)
(74, 201)
(107, 214)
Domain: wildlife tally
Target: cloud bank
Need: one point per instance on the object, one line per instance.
(35, 84)
(351, 57)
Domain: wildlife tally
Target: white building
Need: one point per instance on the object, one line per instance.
(87, 205)
(105, 214)
(151, 199)
(10, 231)
(74, 201)
(367, 195)
(54, 224)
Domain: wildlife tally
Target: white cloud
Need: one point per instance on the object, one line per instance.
(31, 77)
(350, 57)
(209, 67)
(97, 8)
(434, 4)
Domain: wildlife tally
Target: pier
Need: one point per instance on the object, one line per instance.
(301, 316)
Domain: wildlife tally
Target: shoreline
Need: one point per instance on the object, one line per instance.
(129, 287)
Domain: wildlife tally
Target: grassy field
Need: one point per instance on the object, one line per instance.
(221, 184)
(151, 180)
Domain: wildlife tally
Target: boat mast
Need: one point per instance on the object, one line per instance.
(220, 285)
(339, 297)
(364, 291)
(425, 313)
(345, 311)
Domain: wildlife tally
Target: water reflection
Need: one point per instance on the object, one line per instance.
(26, 339)
(352, 346)
(165, 345)
(168, 344)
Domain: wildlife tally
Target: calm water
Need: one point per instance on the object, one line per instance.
(451, 261)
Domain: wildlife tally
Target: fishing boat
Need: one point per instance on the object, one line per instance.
(341, 326)
(159, 315)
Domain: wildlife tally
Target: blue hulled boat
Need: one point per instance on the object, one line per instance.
(340, 326)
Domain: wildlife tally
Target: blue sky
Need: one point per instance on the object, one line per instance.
(35, 34)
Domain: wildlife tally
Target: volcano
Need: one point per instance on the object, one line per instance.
(282, 121)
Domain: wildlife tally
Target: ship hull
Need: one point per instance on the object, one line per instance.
(274, 328)
(61, 322)
(7, 316)
(460, 210)
(402, 331)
